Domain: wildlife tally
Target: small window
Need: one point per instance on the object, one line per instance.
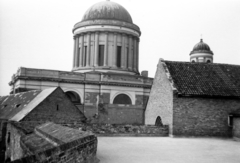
(230, 121)
(193, 61)
(4, 106)
(16, 106)
(8, 140)
(85, 56)
(119, 51)
(208, 61)
(100, 55)
(127, 56)
(57, 107)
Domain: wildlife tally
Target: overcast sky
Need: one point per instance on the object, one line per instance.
(38, 33)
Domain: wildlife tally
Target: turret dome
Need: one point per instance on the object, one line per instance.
(201, 47)
(107, 10)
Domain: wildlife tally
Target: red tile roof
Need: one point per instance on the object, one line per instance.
(205, 79)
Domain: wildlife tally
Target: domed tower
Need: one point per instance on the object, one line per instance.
(106, 40)
(201, 53)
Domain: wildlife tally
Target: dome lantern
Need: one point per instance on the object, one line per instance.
(201, 53)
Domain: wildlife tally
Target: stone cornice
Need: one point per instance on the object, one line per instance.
(80, 81)
(106, 22)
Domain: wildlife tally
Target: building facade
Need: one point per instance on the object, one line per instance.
(195, 99)
(105, 82)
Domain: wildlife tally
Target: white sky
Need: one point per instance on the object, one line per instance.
(38, 33)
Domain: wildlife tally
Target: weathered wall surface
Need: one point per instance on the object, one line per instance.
(160, 99)
(114, 114)
(56, 108)
(124, 130)
(236, 127)
(202, 116)
(13, 148)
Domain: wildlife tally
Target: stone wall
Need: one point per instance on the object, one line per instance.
(12, 140)
(160, 101)
(194, 116)
(236, 127)
(56, 108)
(114, 113)
(122, 130)
(20, 149)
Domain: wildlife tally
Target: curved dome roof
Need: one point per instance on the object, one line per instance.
(201, 47)
(107, 10)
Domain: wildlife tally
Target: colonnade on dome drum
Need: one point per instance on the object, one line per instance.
(106, 51)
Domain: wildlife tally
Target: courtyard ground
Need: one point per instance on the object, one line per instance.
(167, 150)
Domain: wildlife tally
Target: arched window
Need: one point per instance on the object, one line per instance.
(208, 61)
(158, 121)
(74, 97)
(122, 99)
(193, 61)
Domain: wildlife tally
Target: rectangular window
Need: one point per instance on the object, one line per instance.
(85, 56)
(230, 121)
(127, 57)
(119, 51)
(100, 55)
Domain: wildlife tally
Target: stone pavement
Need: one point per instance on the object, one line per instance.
(167, 150)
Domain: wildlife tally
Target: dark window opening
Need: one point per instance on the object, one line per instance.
(158, 121)
(122, 99)
(193, 61)
(57, 108)
(100, 55)
(17, 105)
(127, 57)
(119, 51)
(74, 97)
(208, 61)
(85, 56)
(8, 140)
(230, 121)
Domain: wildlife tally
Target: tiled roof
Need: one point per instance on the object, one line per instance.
(17, 106)
(204, 79)
(13, 104)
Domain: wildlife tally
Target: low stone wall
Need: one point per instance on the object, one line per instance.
(123, 130)
(79, 151)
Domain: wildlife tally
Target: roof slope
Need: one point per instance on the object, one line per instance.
(203, 79)
(16, 106)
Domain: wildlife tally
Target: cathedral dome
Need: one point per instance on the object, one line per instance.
(201, 47)
(107, 10)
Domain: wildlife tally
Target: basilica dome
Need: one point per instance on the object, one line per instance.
(107, 10)
(201, 47)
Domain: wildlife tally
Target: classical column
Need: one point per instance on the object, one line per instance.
(114, 57)
(135, 55)
(130, 54)
(77, 51)
(96, 49)
(74, 52)
(106, 50)
(123, 54)
(88, 49)
(81, 51)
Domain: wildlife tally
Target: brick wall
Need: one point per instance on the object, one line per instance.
(56, 108)
(78, 151)
(202, 116)
(236, 127)
(160, 101)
